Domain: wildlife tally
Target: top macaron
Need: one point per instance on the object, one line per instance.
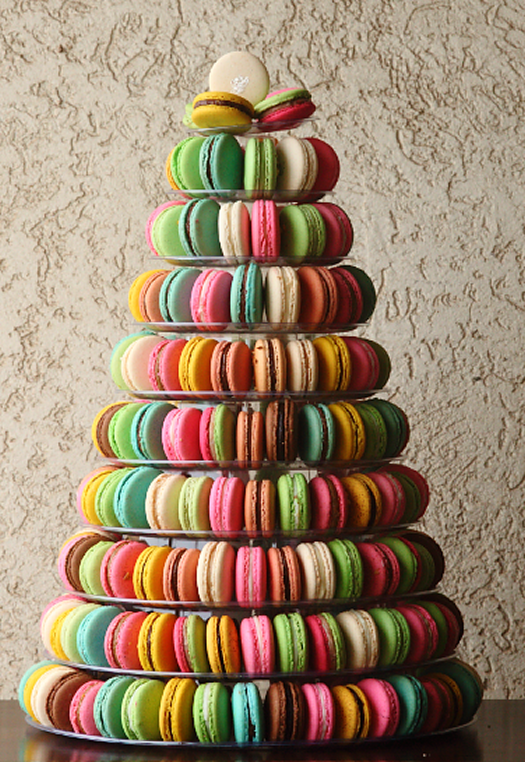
(238, 95)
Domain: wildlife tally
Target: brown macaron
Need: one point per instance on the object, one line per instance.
(249, 436)
(231, 367)
(269, 365)
(284, 574)
(285, 712)
(281, 430)
(319, 296)
(259, 507)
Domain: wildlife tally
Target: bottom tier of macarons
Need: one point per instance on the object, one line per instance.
(181, 710)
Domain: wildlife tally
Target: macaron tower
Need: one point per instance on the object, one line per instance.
(250, 568)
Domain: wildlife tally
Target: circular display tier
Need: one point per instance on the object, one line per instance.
(298, 744)
(267, 536)
(252, 395)
(334, 466)
(267, 329)
(224, 261)
(233, 677)
(334, 604)
(255, 128)
(283, 196)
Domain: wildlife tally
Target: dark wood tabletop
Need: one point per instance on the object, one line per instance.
(497, 735)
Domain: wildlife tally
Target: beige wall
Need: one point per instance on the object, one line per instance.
(424, 103)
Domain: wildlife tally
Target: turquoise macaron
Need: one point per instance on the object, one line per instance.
(316, 433)
(294, 502)
(129, 500)
(175, 295)
(107, 709)
(146, 430)
(246, 295)
(248, 716)
(199, 228)
(221, 163)
(91, 632)
(413, 703)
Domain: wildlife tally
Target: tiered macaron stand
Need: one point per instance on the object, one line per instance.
(237, 611)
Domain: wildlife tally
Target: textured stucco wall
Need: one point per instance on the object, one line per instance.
(424, 103)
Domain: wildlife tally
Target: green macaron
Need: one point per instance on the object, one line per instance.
(303, 232)
(140, 710)
(129, 498)
(292, 642)
(221, 163)
(394, 636)
(212, 716)
(294, 502)
(348, 568)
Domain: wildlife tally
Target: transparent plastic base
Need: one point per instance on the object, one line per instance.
(292, 745)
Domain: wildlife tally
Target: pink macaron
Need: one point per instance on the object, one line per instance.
(163, 365)
(250, 575)
(81, 708)
(350, 303)
(121, 640)
(180, 435)
(384, 706)
(364, 363)
(423, 632)
(328, 502)
(116, 570)
(265, 231)
(320, 707)
(210, 299)
(257, 645)
(393, 501)
(328, 171)
(226, 505)
(381, 572)
(339, 230)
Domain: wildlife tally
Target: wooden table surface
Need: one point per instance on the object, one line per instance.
(497, 735)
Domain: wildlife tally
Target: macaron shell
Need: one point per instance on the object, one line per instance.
(384, 705)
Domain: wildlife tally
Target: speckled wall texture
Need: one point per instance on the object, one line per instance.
(423, 102)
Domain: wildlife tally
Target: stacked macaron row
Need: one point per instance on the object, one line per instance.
(179, 710)
(147, 362)
(160, 432)
(333, 298)
(103, 565)
(145, 498)
(317, 231)
(357, 640)
(291, 168)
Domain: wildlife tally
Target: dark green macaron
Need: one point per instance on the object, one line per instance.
(396, 426)
(376, 432)
(394, 636)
